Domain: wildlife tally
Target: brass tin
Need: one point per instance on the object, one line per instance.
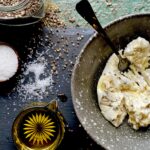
(39, 128)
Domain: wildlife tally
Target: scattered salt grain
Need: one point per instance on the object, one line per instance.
(36, 68)
(35, 87)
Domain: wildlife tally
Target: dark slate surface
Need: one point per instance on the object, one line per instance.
(44, 41)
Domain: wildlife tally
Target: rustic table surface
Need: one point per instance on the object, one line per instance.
(51, 48)
(106, 10)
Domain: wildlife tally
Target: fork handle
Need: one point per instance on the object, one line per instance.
(85, 10)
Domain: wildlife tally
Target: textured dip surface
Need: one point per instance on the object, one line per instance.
(122, 94)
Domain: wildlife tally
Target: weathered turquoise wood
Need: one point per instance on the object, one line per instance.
(107, 10)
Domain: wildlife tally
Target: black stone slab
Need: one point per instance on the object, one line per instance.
(49, 44)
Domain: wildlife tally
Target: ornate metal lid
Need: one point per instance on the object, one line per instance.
(39, 128)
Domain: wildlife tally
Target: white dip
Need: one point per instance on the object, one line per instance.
(128, 93)
(8, 63)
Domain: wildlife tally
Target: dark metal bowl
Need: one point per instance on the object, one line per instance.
(87, 70)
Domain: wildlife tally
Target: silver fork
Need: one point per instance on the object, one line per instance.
(85, 10)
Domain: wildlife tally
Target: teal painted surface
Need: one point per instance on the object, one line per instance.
(106, 10)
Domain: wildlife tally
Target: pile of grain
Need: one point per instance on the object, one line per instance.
(52, 18)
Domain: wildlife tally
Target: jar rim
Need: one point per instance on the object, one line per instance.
(13, 7)
(27, 19)
(16, 7)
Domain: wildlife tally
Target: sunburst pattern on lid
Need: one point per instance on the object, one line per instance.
(39, 129)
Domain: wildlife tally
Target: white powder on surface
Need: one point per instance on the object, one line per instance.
(36, 68)
(8, 62)
(39, 81)
(39, 84)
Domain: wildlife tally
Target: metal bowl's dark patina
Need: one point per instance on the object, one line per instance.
(86, 73)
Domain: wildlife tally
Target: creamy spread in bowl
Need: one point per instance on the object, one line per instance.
(127, 93)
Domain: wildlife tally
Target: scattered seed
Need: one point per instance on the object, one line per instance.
(72, 20)
(62, 97)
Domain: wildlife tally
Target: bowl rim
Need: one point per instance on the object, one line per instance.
(93, 36)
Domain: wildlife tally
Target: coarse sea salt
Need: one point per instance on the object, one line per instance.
(39, 84)
(8, 62)
(35, 86)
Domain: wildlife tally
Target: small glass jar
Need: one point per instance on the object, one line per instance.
(21, 12)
